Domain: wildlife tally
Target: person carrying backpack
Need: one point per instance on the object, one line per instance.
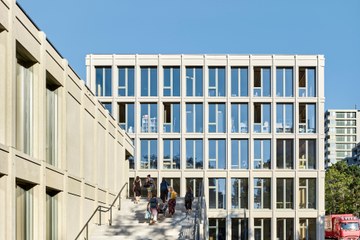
(153, 207)
(189, 198)
(164, 190)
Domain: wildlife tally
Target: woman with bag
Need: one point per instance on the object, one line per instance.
(137, 189)
(172, 201)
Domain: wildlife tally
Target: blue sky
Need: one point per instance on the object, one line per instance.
(332, 28)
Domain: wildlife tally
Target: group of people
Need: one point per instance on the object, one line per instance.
(167, 195)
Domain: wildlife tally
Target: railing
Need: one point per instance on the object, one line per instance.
(102, 209)
(200, 226)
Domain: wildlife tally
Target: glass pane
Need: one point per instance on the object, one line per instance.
(279, 82)
(221, 82)
(199, 117)
(311, 82)
(234, 82)
(153, 154)
(167, 82)
(122, 77)
(244, 82)
(189, 118)
(289, 89)
(176, 117)
(199, 154)
(267, 154)
(144, 82)
(221, 154)
(244, 157)
(131, 81)
(266, 82)
(190, 78)
(189, 153)
(176, 81)
(221, 118)
(235, 117)
(153, 82)
(108, 87)
(235, 154)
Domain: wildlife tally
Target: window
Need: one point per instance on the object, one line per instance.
(262, 82)
(126, 81)
(284, 82)
(239, 82)
(262, 154)
(285, 193)
(195, 184)
(307, 228)
(217, 86)
(217, 193)
(240, 193)
(171, 81)
(194, 81)
(285, 228)
(239, 154)
(194, 153)
(307, 82)
(307, 118)
(171, 158)
(24, 211)
(175, 183)
(194, 117)
(108, 106)
(262, 228)
(217, 118)
(51, 215)
(51, 119)
(149, 117)
(171, 117)
(239, 228)
(284, 153)
(126, 117)
(284, 118)
(239, 118)
(307, 154)
(103, 81)
(148, 154)
(217, 154)
(217, 228)
(262, 118)
(262, 193)
(24, 107)
(131, 162)
(149, 81)
(307, 193)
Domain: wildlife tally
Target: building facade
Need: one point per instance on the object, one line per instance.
(250, 126)
(61, 153)
(342, 130)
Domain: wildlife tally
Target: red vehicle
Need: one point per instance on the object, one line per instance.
(342, 226)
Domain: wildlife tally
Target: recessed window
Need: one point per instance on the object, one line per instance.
(285, 153)
(285, 193)
(171, 117)
(217, 193)
(126, 81)
(148, 154)
(194, 154)
(217, 228)
(148, 118)
(24, 211)
(217, 154)
(239, 154)
(307, 82)
(284, 82)
(149, 82)
(262, 118)
(171, 157)
(217, 118)
(307, 193)
(217, 86)
(262, 228)
(194, 81)
(262, 193)
(307, 118)
(239, 228)
(171, 82)
(174, 183)
(262, 154)
(240, 193)
(307, 228)
(262, 82)
(239, 82)
(195, 184)
(103, 81)
(126, 117)
(285, 228)
(239, 118)
(307, 154)
(194, 117)
(284, 118)
(52, 213)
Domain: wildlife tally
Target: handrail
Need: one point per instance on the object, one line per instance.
(102, 209)
(200, 215)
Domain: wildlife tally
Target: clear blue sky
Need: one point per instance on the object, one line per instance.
(332, 28)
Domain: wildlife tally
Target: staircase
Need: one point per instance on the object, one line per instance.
(129, 223)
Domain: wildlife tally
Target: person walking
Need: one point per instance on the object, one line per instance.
(164, 190)
(153, 207)
(150, 186)
(137, 189)
(189, 197)
(172, 201)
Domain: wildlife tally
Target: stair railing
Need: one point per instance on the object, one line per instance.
(103, 209)
(200, 226)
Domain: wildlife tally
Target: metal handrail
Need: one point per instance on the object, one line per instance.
(104, 210)
(200, 215)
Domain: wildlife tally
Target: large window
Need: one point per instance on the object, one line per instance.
(307, 193)
(148, 154)
(194, 153)
(285, 153)
(262, 228)
(307, 228)
(307, 118)
(307, 153)
(239, 229)
(239, 154)
(171, 158)
(284, 82)
(194, 117)
(175, 183)
(51, 215)
(285, 193)
(217, 118)
(195, 184)
(285, 228)
(217, 86)
(307, 82)
(24, 107)
(126, 117)
(284, 118)
(194, 81)
(262, 193)
(126, 81)
(239, 82)
(217, 154)
(217, 228)
(149, 81)
(24, 211)
(217, 193)
(239, 193)
(171, 81)
(239, 118)
(262, 154)
(171, 117)
(103, 81)
(262, 118)
(262, 82)
(149, 117)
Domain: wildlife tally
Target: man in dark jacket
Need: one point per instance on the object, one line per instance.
(164, 190)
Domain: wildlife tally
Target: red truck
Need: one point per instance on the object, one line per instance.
(342, 226)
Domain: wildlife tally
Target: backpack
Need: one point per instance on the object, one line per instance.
(189, 196)
(153, 203)
(163, 186)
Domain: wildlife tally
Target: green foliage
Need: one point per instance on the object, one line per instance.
(342, 189)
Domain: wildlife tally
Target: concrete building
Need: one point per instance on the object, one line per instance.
(61, 153)
(342, 130)
(250, 126)
(355, 160)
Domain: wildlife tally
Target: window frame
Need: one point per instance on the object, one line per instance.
(174, 92)
(262, 159)
(152, 125)
(194, 143)
(217, 80)
(237, 79)
(218, 151)
(149, 81)
(127, 81)
(217, 117)
(171, 126)
(171, 160)
(283, 122)
(239, 126)
(283, 203)
(148, 161)
(194, 78)
(264, 128)
(260, 90)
